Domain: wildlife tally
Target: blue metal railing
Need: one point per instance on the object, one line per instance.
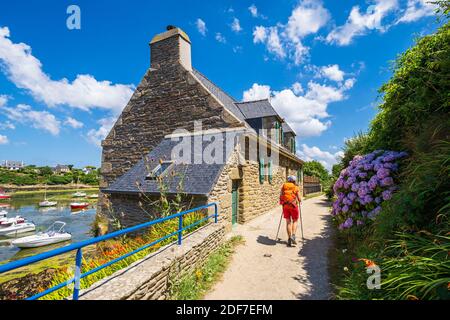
(79, 245)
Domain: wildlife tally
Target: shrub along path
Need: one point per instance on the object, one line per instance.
(267, 269)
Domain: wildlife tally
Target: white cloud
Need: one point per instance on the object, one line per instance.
(331, 72)
(285, 40)
(85, 92)
(73, 123)
(7, 125)
(307, 18)
(3, 100)
(236, 26)
(297, 88)
(417, 9)
(3, 139)
(257, 92)
(237, 49)
(201, 26)
(326, 158)
(253, 10)
(306, 111)
(220, 38)
(359, 23)
(259, 34)
(37, 119)
(271, 38)
(96, 136)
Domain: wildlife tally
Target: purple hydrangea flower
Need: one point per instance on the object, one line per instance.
(388, 181)
(387, 195)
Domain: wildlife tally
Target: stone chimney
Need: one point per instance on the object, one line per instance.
(169, 48)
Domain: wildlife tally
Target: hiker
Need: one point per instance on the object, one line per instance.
(290, 200)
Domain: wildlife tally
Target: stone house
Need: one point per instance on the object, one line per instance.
(180, 133)
(61, 168)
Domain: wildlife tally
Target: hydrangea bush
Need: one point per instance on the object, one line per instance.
(363, 186)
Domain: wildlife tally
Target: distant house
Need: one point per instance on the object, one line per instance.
(13, 165)
(88, 170)
(61, 168)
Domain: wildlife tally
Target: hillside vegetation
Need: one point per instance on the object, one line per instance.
(408, 237)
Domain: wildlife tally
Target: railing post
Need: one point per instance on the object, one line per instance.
(76, 288)
(215, 213)
(180, 229)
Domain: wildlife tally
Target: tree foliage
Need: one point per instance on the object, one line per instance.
(419, 89)
(316, 169)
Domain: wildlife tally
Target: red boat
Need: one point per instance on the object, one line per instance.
(3, 195)
(79, 205)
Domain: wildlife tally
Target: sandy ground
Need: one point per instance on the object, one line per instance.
(267, 269)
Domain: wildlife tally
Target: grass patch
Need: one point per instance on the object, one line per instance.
(27, 193)
(313, 195)
(194, 286)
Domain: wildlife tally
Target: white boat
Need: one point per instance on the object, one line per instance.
(47, 203)
(79, 194)
(16, 228)
(93, 196)
(54, 234)
(6, 222)
(3, 213)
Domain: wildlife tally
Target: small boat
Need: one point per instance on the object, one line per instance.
(16, 228)
(3, 194)
(79, 205)
(79, 194)
(93, 196)
(3, 213)
(54, 234)
(6, 222)
(47, 203)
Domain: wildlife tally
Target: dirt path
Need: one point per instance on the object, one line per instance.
(289, 273)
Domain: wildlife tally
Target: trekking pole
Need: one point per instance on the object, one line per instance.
(279, 225)
(301, 221)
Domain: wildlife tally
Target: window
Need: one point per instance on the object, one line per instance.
(159, 170)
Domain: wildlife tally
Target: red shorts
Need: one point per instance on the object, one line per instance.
(290, 212)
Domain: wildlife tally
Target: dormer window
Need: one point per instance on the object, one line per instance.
(159, 170)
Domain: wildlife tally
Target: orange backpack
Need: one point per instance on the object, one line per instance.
(289, 192)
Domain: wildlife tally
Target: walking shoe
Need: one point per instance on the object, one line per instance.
(289, 242)
(293, 240)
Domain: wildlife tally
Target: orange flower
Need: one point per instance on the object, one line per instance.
(367, 262)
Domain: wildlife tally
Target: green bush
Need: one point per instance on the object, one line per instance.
(409, 239)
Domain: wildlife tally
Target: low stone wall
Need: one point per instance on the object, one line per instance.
(150, 278)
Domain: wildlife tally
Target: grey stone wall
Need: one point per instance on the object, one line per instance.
(151, 277)
(255, 198)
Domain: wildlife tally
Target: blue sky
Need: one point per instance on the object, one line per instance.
(321, 62)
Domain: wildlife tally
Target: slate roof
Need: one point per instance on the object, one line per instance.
(228, 101)
(257, 109)
(287, 128)
(198, 178)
